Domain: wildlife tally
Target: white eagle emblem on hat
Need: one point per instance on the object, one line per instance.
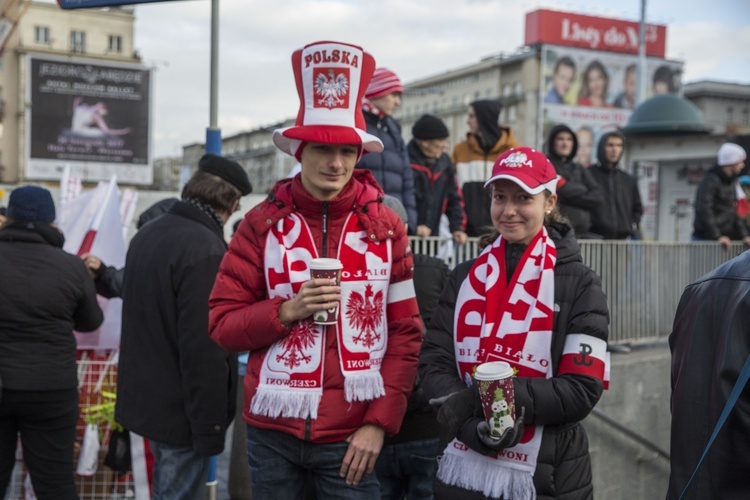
(331, 89)
(517, 160)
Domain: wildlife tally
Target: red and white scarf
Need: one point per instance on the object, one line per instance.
(497, 320)
(368, 105)
(291, 376)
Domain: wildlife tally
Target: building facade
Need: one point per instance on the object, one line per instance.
(725, 106)
(46, 31)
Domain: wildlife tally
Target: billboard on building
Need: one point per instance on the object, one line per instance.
(594, 91)
(590, 32)
(89, 114)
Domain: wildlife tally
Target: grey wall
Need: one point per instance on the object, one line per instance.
(638, 398)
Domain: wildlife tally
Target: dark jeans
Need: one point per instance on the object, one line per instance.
(279, 465)
(46, 421)
(179, 472)
(407, 470)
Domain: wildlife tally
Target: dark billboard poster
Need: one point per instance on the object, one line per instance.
(84, 4)
(91, 115)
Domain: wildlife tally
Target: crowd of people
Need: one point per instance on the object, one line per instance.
(381, 402)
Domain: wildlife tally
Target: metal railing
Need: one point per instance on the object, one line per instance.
(643, 280)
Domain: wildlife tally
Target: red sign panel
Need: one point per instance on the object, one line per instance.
(596, 33)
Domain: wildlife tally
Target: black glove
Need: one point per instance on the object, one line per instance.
(456, 409)
(475, 434)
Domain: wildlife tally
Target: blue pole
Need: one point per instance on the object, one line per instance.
(213, 145)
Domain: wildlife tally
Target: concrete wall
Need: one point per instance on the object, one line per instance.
(638, 398)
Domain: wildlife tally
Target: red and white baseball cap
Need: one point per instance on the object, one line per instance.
(528, 168)
(331, 80)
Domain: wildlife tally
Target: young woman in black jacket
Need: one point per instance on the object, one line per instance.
(527, 300)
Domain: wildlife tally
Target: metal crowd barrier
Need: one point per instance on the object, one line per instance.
(643, 280)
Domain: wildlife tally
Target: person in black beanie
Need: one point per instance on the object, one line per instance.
(168, 363)
(435, 186)
(46, 295)
(474, 157)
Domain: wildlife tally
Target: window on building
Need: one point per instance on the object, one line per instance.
(41, 34)
(746, 116)
(506, 90)
(115, 43)
(78, 42)
(517, 90)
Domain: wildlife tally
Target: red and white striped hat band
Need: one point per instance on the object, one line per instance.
(384, 82)
(331, 79)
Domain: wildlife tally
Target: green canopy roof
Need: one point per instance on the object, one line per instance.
(666, 114)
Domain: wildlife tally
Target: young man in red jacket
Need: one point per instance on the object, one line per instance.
(319, 399)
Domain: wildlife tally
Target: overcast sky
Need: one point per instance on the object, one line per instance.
(415, 38)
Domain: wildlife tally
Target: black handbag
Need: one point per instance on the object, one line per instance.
(118, 456)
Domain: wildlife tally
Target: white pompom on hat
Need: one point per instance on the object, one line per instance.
(730, 154)
(331, 79)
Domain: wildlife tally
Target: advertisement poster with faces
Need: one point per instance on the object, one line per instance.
(594, 92)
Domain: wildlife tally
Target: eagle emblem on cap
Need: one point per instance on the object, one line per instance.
(331, 89)
(517, 160)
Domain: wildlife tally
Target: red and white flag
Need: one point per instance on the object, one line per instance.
(91, 223)
(743, 206)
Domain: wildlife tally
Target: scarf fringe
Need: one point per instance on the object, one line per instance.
(477, 473)
(363, 386)
(285, 403)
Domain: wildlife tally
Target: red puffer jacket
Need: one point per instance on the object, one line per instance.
(242, 317)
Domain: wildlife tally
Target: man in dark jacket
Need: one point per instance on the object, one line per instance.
(391, 167)
(716, 216)
(620, 214)
(709, 345)
(176, 387)
(580, 194)
(435, 184)
(46, 293)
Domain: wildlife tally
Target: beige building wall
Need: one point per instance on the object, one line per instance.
(46, 29)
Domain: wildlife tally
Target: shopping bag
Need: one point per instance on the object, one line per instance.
(118, 455)
(89, 457)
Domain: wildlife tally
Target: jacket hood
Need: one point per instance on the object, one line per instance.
(488, 114)
(568, 249)
(601, 155)
(505, 141)
(550, 146)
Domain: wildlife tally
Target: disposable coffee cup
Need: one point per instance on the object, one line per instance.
(495, 383)
(331, 269)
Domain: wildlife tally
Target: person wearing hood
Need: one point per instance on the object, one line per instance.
(473, 159)
(619, 216)
(320, 398)
(529, 301)
(579, 194)
(46, 295)
(391, 166)
(716, 217)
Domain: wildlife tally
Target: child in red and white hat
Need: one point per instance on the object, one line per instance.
(317, 400)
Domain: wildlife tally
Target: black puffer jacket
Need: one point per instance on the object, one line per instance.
(436, 191)
(580, 194)
(563, 469)
(620, 214)
(46, 294)
(715, 208)
(391, 167)
(709, 344)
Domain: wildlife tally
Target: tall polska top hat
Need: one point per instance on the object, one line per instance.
(528, 168)
(331, 80)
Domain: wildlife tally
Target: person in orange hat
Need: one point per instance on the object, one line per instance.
(319, 399)
(529, 301)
